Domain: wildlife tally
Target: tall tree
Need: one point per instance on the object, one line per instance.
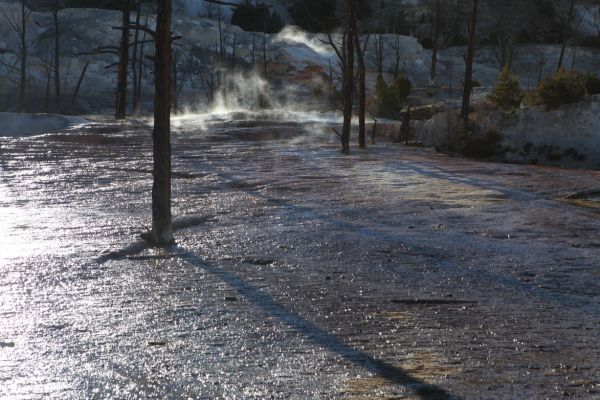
(134, 58)
(362, 91)
(468, 82)
(55, 9)
(120, 108)
(348, 85)
(162, 228)
(19, 26)
(566, 34)
(436, 40)
(345, 54)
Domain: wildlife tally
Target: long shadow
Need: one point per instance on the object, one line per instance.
(315, 333)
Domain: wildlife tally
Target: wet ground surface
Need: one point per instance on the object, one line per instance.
(393, 273)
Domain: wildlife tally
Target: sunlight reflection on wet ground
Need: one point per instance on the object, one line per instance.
(299, 273)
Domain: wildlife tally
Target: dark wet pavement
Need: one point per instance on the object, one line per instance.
(298, 273)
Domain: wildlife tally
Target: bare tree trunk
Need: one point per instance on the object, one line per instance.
(264, 45)
(48, 82)
(162, 229)
(23, 78)
(349, 76)
(76, 92)
(362, 89)
(56, 52)
(137, 100)
(253, 50)
(174, 82)
(134, 56)
(221, 50)
(566, 36)
(436, 38)
(120, 109)
(233, 52)
(468, 85)
(379, 53)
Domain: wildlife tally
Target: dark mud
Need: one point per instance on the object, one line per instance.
(394, 273)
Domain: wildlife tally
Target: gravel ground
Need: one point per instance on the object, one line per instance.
(393, 273)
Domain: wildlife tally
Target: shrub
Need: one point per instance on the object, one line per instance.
(484, 145)
(592, 84)
(402, 86)
(507, 92)
(564, 87)
(386, 102)
(388, 99)
(467, 141)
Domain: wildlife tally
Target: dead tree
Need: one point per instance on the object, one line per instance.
(121, 105)
(362, 91)
(436, 39)
(345, 55)
(79, 81)
(264, 49)
(162, 228)
(349, 74)
(55, 10)
(19, 26)
(137, 94)
(134, 59)
(379, 53)
(566, 34)
(468, 83)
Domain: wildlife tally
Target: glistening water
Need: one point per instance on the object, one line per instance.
(298, 273)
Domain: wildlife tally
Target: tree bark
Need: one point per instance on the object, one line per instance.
(23, 79)
(436, 38)
(162, 229)
(134, 69)
(81, 76)
(362, 93)
(264, 48)
(120, 108)
(56, 52)
(349, 76)
(566, 36)
(468, 84)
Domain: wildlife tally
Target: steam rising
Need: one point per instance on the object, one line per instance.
(247, 99)
(294, 35)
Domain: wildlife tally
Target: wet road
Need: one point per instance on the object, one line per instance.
(394, 273)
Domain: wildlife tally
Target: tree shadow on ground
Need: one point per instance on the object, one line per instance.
(312, 331)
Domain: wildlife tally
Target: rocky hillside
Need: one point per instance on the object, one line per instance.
(297, 61)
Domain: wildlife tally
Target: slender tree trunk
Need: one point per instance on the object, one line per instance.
(265, 55)
(379, 53)
(121, 106)
(566, 36)
(362, 93)
(349, 76)
(221, 49)
(253, 50)
(134, 56)
(436, 38)
(48, 83)
(162, 229)
(56, 53)
(23, 79)
(138, 94)
(468, 85)
(76, 92)
(233, 52)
